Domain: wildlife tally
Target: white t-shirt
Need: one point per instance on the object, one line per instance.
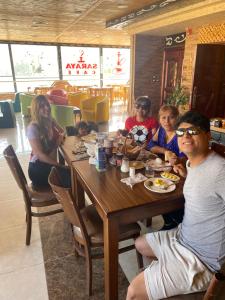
(203, 226)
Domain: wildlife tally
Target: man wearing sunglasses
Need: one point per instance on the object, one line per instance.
(185, 258)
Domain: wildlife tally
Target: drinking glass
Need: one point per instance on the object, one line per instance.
(149, 172)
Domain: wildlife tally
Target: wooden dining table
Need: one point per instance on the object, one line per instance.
(117, 204)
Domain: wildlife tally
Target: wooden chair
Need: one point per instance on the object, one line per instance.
(88, 227)
(32, 198)
(219, 148)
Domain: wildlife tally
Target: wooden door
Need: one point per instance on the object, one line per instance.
(208, 94)
(172, 70)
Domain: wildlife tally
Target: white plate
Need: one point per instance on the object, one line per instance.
(175, 179)
(165, 166)
(156, 189)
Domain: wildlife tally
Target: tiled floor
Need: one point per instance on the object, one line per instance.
(22, 273)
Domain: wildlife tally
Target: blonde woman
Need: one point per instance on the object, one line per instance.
(44, 136)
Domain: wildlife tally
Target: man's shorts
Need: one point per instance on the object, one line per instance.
(177, 270)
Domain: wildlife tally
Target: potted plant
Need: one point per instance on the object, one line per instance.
(179, 98)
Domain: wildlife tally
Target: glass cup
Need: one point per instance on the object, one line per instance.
(149, 172)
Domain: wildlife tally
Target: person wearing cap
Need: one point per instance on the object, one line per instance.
(142, 126)
(184, 259)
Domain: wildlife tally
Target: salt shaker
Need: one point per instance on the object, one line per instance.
(132, 172)
(125, 165)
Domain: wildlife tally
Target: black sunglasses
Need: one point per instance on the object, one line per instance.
(142, 106)
(190, 131)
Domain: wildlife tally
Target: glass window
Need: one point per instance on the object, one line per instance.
(6, 79)
(35, 66)
(116, 66)
(81, 65)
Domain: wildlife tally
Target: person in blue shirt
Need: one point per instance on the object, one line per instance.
(164, 142)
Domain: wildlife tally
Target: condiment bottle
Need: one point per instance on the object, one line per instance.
(125, 165)
(119, 157)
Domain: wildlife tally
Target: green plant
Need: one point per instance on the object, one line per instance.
(178, 97)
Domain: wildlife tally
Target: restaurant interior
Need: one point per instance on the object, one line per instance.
(91, 60)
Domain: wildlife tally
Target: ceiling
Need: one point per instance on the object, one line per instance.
(71, 21)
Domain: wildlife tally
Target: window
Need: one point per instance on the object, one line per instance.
(35, 66)
(81, 65)
(6, 79)
(116, 66)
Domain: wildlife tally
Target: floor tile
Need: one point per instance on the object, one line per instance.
(25, 284)
(14, 253)
(12, 213)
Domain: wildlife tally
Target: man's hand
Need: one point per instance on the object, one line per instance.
(180, 169)
(171, 157)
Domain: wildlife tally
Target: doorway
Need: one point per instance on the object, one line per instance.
(172, 71)
(208, 94)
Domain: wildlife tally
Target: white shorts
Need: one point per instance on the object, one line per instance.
(177, 271)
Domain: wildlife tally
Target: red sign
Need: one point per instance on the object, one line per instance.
(81, 67)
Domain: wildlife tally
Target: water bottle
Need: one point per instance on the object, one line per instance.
(100, 157)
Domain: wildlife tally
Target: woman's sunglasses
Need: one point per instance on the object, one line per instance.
(190, 131)
(144, 107)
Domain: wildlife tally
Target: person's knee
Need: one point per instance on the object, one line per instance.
(130, 292)
(136, 289)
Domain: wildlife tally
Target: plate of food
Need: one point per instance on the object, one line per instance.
(159, 165)
(160, 185)
(137, 164)
(170, 176)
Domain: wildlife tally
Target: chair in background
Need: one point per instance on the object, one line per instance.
(60, 84)
(25, 103)
(218, 148)
(95, 109)
(75, 99)
(16, 103)
(32, 198)
(104, 91)
(88, 227)
(41, 90)
(57, 96)
(7, 115)
(63, 114)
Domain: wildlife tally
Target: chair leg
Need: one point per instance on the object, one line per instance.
(29, 227)
(139, 260)
(89, 273)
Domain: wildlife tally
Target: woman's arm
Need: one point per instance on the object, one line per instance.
(37, 150)
(60, 132)
(58, 127)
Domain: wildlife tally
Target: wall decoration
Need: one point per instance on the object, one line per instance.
(129, 18)
(175, 39)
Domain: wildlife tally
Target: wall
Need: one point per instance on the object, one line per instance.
(202, 35)
(147, 63)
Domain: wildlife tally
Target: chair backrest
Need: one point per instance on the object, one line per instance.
(70, 206)
(218, 148)
(17, 172)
